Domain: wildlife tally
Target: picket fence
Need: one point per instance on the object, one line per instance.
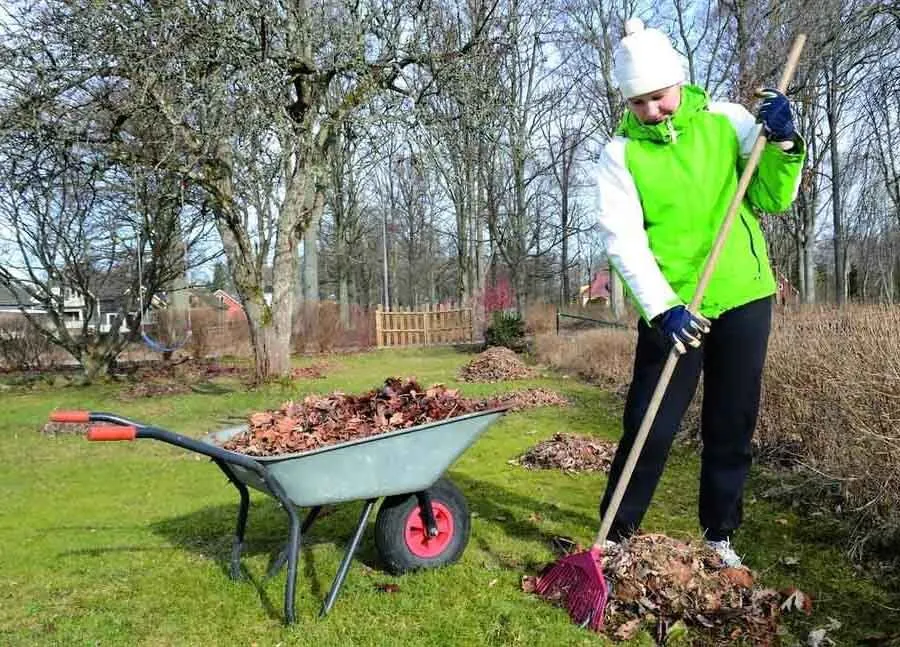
(442, 324)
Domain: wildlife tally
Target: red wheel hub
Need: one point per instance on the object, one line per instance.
(416, 533)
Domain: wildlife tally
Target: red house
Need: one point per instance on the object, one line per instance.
(598, 290)
(233, 309)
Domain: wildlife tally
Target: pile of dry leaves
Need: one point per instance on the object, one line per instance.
(68, 428)
(316, 370)
(529, 399)
(570, 453)
(495, 365)
(330, 419)
(154, 388)
(321, 420)
(663, 585)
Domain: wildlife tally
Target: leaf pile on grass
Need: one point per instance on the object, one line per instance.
(496, 364)
(69, 428)
(191, 370)
(529, 399)
(152, 389)
(662, 584)
(570, 453)
(316, 371)
(335, 418)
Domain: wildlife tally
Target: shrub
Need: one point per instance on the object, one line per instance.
(540, 318)
(319, 328)
(203, 328)
(22, 347)
(830, 407)
(506, 329)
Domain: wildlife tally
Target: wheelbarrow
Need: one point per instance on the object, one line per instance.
(423, 521)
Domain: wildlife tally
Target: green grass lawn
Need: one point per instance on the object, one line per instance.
(128, 543)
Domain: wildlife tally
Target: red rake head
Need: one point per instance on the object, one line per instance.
(577, 580)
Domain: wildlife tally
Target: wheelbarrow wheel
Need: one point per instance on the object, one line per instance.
(401, 535)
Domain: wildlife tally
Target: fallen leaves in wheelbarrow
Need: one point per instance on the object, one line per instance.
(318, 421)
(658, 583)
(570, 453)
(325, 420)
(496, 364)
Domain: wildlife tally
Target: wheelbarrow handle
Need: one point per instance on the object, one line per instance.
(91, 416)
(70, 416)
(112, 433)
(126, 429)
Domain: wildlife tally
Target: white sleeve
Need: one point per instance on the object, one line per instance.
(745, 124)
(621, 221)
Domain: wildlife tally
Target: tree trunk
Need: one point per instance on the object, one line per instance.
(344, 298)
(564, 224)
(96, 360)
(840, 290)
(806, 252)
(311, 263)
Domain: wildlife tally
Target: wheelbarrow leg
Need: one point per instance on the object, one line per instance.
(282, 558)
(237, 545)
(293, 549)
(348, 557)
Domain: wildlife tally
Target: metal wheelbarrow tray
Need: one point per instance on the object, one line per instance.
(423, 521)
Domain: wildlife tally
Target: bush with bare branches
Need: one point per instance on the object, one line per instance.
(831, 403)
(832, 407)
(203, 326)
(22, 347)
(320, 328)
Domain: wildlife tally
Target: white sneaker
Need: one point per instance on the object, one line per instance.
(724, 550)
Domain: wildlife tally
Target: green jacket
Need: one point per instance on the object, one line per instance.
(663, 191)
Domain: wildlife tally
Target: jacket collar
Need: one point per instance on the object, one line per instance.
(694, 100)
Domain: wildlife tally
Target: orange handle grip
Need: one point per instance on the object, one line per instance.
(70, 416)
(112, 433)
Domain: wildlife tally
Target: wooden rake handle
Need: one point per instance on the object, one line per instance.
(669, 367)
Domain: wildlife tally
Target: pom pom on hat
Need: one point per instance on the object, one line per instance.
(633, 25)
(645, 60)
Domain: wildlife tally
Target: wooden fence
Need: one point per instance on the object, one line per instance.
(433, 325)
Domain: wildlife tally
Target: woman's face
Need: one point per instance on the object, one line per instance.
(654, 107)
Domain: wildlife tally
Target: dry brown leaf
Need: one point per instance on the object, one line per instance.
(529, 583)
(388, 588)
(738, 576)
(628, 630)
(796, 600)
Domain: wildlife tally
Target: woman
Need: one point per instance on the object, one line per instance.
(664, 183)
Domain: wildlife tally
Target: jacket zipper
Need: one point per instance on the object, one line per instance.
(752, 246)
(673, 134)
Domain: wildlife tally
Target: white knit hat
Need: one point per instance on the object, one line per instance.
(645, 61)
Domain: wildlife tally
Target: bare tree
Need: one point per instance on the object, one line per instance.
(193, 87)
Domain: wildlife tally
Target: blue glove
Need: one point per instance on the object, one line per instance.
(775, 114)
(682, 327)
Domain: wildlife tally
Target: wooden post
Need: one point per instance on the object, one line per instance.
(379, 342)
(425, 317)
(390, 319)
(404, 335)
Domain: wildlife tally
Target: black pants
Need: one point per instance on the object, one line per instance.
(731, 359)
